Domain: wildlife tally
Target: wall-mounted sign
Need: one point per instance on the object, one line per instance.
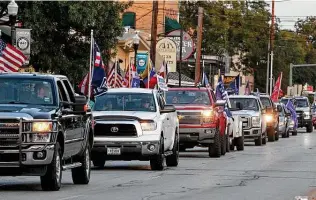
(187, 44)
(141, 62)
(167, 48)
(23, 41)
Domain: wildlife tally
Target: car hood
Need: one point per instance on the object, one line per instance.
(192, 107)
(304, 109)
(26, 111)
(245, 113)
(98, 115)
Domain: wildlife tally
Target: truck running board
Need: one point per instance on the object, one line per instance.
(73, 165)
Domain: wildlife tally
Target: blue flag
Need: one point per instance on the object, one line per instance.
(136, 82)
(291, 108)
(234, 85)
(221, 93)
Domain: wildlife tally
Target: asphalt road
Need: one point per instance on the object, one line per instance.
(279, 170)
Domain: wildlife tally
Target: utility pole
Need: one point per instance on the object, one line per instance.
(153, 41)
(271, 46)
(199, 47)
(268, 68)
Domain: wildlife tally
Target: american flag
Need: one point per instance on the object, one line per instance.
(115, 71)
(11, 59)
(98, 81)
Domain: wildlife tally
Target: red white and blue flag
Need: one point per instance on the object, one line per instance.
(115, 79)
(99, 81)
(11, 59)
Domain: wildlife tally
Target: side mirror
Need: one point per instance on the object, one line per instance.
(220, 103)
(279, 108)
(80, 104)
(168, 109)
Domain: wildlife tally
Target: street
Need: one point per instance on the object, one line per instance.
(279, 170)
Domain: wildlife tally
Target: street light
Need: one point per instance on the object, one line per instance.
(12, 11)
(136, 44)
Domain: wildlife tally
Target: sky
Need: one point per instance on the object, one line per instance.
(290, 10)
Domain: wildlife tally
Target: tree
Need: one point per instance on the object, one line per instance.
(61, 32)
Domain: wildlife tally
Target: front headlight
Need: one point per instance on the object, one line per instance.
(207, 113)
(268, 118)
(255, 121)
(42, 127)
(307, 115)
(148, 125)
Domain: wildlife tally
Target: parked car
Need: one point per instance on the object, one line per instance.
(271, 117)
(201, 121)
(135, 124)
(284, 120)
(303, 111)
(251, 112)
(46, 128)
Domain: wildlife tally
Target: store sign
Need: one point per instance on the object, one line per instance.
(187, 44)
(168, 50)
(141, 60)
(23, 41)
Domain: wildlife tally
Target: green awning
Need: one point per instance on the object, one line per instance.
(129, 19)
(171, 25)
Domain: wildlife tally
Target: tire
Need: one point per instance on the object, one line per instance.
(240, 143)
(99, 162)
(277, 136)
(288, 134)
(314, 126)
(173, 160)
(232, 146)
(157, 162)
(223, 144)
(81, 175)
(264, 139)
(227, 144)
(258, 142)
(271, 135)
(285, 134)
(214, 149)
(51, 181)
(309, 127)
(294, 133)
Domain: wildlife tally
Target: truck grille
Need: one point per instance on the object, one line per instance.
(245, 122)
(189, 117)
(115, 130)
(9, 133)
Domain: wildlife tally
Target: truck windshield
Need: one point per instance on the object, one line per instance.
(265, 102)
(245, 103)
(187, 97)
(125, 102)
(284, 101)
(26, 91)
(300, 103)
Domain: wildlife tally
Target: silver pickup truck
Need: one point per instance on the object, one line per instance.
(135, 124)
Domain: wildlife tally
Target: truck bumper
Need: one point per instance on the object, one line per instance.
(251, 134)
(304, 122)
(197, 135)
(141, 148)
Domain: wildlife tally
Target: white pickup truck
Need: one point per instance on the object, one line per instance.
(135, 124)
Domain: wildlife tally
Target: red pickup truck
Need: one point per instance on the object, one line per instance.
(202, 122)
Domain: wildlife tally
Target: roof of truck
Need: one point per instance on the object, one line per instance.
(244, 96)
(30, 74)
(130, 90)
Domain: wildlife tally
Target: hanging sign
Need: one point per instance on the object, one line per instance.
(167, 48)
(23, 41)
(187, 44)
(141, 62)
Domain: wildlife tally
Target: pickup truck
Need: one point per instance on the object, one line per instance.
(135, 124)
(271, 117)
(201, 122)
(45, 128)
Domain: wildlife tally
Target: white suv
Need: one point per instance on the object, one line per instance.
(135, 124)
(251, 112)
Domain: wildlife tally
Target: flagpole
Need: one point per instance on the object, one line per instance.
(148, 75)
(90, 68)
(280, 85)
(129, 74)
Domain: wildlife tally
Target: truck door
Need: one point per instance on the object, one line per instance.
(167, 123)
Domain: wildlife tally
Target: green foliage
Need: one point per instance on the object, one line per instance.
(61, 32)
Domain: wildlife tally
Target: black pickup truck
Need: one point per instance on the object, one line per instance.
(45, 128)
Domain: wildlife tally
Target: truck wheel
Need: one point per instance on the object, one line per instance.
(81, 175)
(240, 143)
(214, 150)
(258, 141)
(158, 162)
(277, 136)
(173, 160)
(51, 181)
(271, 135)
(227, 143)
(264, 138)
(294, 133)
(287, 133)
(309, 127)
(223, 144)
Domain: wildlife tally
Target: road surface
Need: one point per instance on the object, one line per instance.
(280, 171)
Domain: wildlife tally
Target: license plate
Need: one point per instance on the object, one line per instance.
(113, 151)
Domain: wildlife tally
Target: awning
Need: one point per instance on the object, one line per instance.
(171, 25)
(129, 19)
